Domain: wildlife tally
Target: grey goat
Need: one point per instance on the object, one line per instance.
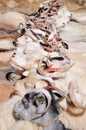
(39, 106)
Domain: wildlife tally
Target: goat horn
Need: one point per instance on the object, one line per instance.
(62, 93)
(48, 96)
(73, 98)
(43, 72)
(40, 70)
(57, 89)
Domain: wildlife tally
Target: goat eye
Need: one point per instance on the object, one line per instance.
(14, 43)
(35, 104)
(41, 99)
(27, 96)
(45, 27)
(38, 100)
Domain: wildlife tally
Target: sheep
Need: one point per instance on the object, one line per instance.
(62, 18)
(24, 57)
(38, 106)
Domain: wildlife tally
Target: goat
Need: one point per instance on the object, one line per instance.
(38, 106)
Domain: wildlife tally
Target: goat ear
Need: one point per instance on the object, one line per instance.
(56, 95)
(40, 99)
(65, 45)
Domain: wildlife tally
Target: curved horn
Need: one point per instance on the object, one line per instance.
(48, 96)
(43, 72)
(73, 98)
(40, 70)
(57, 89)
(61, 92)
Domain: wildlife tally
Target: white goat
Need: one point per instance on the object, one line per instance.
(27, 54)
